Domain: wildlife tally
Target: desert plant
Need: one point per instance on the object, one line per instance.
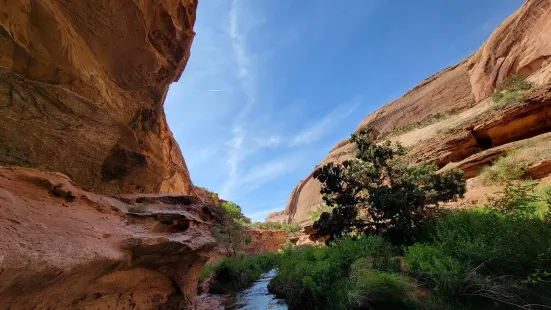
(229, 230)
(138, 208)
(515, 82)
(379, 193)
(516, 198)
(510, 90)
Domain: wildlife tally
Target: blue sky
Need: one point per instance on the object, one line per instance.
(272, 85)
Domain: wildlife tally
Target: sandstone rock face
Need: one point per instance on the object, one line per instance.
(263, 241)
(65, 248)
(520, 45)
(82, 85)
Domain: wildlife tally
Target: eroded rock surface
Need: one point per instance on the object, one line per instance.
(82, 86)
(520, 45)
(62, 247)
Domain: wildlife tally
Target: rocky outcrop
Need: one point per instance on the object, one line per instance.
(82, 85)
(264, 241)
(520, 45)
(66, 248)
(487, 131)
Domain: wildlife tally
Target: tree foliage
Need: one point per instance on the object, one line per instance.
(229, 231)
(377, 192)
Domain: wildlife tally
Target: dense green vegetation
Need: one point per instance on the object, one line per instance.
(233, 274)
(476, 259)
(379, 193)
(387, 252)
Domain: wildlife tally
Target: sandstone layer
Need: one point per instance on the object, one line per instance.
(66, 248)
(520, 45)
(82, 85)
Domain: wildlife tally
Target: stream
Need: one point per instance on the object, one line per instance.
(257, 296)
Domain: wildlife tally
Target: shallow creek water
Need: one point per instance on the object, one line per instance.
(257, 296)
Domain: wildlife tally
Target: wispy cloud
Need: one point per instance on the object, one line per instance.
(214, 90)
(237, 30)
(269, 142)
(258, 175)
(259, 216)
(316, 131)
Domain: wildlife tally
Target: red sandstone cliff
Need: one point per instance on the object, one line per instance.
(62, 247)
(520, 45)
(82, 85)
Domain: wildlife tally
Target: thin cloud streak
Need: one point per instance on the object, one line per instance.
(317, 130)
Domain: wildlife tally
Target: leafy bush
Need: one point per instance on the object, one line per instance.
(432, 264)
(317, 278)
(229, 230)
(477, 252)
(517, 198)
(233, 274)
(373, 289)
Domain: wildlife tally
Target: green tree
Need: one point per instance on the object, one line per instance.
(379, 193)
(229, 231)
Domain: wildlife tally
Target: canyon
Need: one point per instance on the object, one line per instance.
(520, 45)
(97, 208)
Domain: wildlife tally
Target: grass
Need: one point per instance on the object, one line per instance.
(478, 256)
(511, 91)
(233, 274)
(318, 277)
(435, 118)
(289, 228)
(513, 165)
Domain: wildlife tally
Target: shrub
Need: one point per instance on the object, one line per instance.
(517, 198)
(317, 278)
(503, 169)
(515, 82)
(431, 264)
(233, 274)
(516, 162)
(375, 289)
(510, 90)
(482, 252)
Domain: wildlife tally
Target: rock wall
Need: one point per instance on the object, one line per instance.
(520, 45)
(82, 85)
(62, 247)
(263, 241)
